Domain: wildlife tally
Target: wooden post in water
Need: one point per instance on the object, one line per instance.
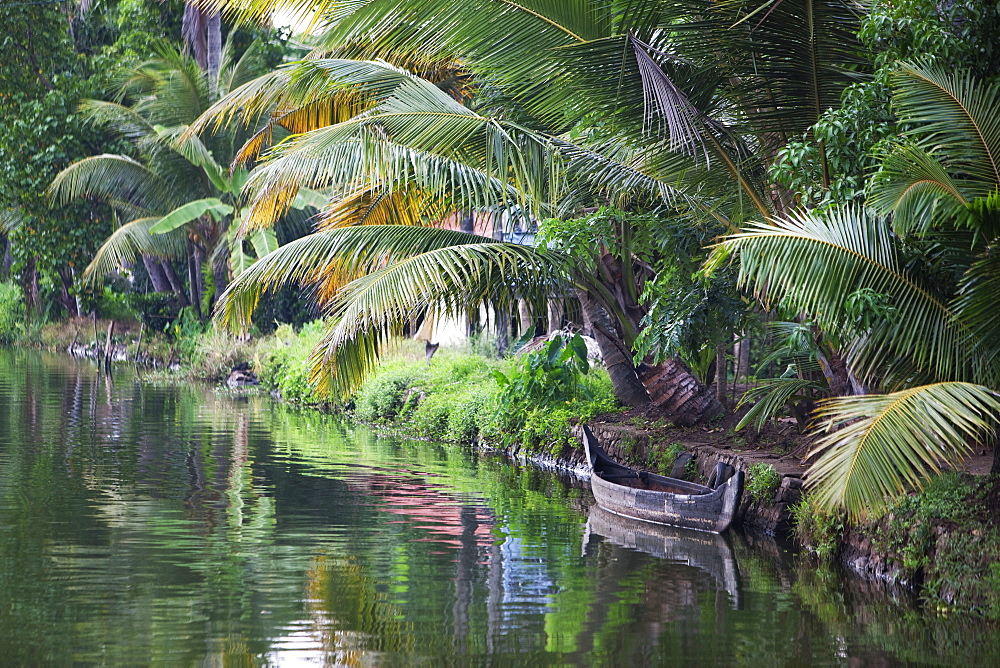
(97, 342)
(138, 345)
(107, 347)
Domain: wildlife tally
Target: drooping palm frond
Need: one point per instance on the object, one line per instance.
(130, 241)
(11, 219)
(792, 59)
(879, 446)
(328, 89)
(954, 117)
(370, 207)
(351, 251)
(814, 260)
(125, 120)
(180, 87)
(508, 42)
(477, 162)
(454, 280)
(916, 189)
(976, 301)
(116, 177)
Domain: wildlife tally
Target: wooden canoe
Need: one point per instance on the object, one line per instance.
(655, 498)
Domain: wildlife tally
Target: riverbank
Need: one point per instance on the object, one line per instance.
(940, 543)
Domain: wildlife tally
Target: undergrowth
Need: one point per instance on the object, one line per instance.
(946, 538)
(530, 402)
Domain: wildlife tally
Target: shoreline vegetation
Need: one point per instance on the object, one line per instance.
(940, 543)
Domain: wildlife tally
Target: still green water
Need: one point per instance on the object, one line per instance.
(144, 524)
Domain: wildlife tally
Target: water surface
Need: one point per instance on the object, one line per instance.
(180, 525)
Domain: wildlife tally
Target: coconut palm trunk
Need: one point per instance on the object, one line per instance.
(670, 388)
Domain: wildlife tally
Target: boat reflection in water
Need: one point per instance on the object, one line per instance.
(708, 552)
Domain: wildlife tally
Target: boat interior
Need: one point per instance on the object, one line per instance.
(650, 481)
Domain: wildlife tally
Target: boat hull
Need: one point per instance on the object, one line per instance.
(701, 508)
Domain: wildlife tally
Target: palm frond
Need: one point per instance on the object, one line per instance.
(371, 309)
(116, 177)
(351, 251)
(771, 396)
(328, 88)
(127, 121)
(916, 189)
(475, 161)
(878, 446)
(126, 244)
(954, 116)
(814, 260)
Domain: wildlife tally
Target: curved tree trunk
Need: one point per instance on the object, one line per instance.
(670, 387)
(678, 394)
(157, 277)
(628, 388)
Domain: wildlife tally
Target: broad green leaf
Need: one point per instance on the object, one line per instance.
(183, 215)
(264, 242)
(306, 197)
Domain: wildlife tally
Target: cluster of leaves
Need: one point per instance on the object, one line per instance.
(819, 530)
(11, 312)
(762, 482)
(831, 162)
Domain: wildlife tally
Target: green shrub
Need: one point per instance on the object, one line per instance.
(383, 396)
(816, 529)
(11, 312)
(762, 482)
(283, 363)
(545, 393)
(215, 353)
(946, 536)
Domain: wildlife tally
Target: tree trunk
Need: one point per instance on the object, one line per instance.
(220, 278)
(678, 394)
(527, 322)
(157, 277)
(836, 374)
(193, 32)
(175, 283)
(65, 292)
(29, 281)
(628, 388)
(555, 313)
(214, 42)
(194, 279)
(721, 366)
(7, 259)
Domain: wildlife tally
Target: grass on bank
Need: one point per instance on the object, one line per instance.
(463, 394)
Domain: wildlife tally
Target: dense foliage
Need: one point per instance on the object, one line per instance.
(846, 152)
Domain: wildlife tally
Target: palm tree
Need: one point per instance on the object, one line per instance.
(178, 195)
(657, 106)
(928, 251)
